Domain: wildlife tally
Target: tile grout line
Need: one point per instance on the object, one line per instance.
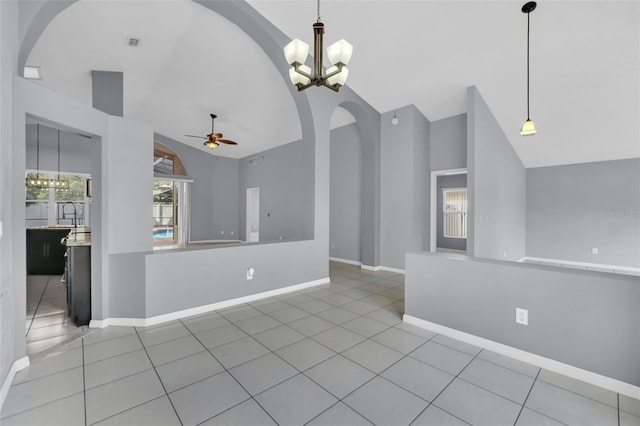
(37, 306)
(84, 386)
(445, 388)
(226, 370)
(158, 376)
(302, 372)
(527, 397)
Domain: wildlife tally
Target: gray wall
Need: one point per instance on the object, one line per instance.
(12, 291)
(215, 199)
(108, 92)
(444, 182)
(75, 150)
(479, 297)
(496, 182)
(405, 186)
(448, 143)
(572, 209)
(285, 176)
(346, 193)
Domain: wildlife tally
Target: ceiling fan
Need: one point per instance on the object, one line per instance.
(213, 140)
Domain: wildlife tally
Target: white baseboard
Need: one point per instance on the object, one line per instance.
(6, 385)
(585, 265)
(159, 319)
(347, 261)
(537, 360)
(388, 269)
(371, 268)
(382, 268)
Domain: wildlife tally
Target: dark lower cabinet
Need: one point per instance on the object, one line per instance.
(79, 284)
(45, 253)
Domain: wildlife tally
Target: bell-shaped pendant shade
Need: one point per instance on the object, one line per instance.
(340, 78)
(340, 51)
(528, 128)
(296, 77)
(296, 51)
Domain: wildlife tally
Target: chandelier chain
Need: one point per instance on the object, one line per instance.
(318, 10)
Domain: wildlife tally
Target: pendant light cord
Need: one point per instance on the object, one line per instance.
(58, 154)
(37, 151)
(318, 6)
(528, 16)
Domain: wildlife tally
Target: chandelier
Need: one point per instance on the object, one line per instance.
(339, 54)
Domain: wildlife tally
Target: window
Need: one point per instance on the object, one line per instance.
(51, 206)
(170, 212)
(171, 199)
(455, 212)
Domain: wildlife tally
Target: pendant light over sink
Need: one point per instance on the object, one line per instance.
(528, 128)
(39, 182)
(301, 75)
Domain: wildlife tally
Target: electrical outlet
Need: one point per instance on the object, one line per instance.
(522, 316)
(594, 250)
(250, 273)
(504, 254)
(221, 232)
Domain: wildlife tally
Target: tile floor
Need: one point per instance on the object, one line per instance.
(336, 354)
(48, 324)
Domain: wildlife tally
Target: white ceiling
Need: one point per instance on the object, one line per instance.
(585, 67)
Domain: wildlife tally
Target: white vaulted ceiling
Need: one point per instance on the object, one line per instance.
(585, 67)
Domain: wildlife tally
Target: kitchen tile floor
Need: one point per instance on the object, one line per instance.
(329, 355)
(48, 324)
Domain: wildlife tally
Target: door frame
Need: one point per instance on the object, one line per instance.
(252, 201)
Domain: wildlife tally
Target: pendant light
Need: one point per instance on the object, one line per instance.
(528, 128)
(38, 182)
(339, 53)
(59, 183)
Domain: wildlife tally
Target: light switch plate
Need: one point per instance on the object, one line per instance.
(522, 316)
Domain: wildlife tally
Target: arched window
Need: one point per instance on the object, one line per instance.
(171, 204)
(167, 162)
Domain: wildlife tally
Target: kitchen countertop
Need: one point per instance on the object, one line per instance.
(80, 236)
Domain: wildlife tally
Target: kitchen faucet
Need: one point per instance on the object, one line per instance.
(75, 213)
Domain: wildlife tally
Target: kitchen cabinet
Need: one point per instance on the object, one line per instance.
(45, 253)
(79, 277)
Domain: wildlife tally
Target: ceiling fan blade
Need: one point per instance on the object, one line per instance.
(227, 141)
(194, 136)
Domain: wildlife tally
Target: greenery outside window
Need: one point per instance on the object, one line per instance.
(170, 212)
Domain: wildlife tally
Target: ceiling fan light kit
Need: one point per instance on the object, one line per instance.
(302, 76)
(528, 128)
(213, 140)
